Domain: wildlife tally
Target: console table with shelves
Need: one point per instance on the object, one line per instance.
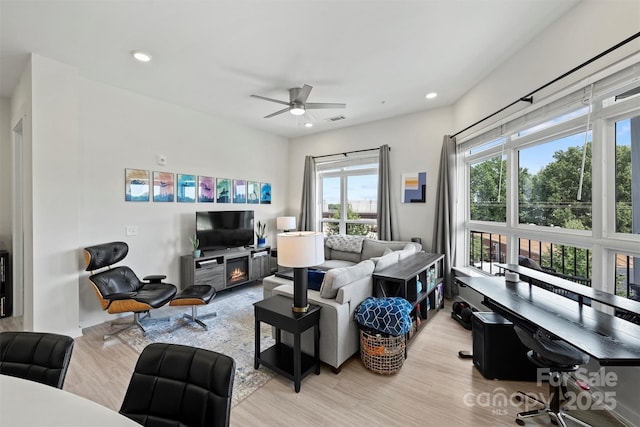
(225, 269)
(416, 279)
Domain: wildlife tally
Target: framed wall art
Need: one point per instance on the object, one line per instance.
(265, 193)
(253, 192)
(205, 189)
(163, 187)
(414, 187)
(239, 191)
(186, 188)
(136, 185)
(223, 190)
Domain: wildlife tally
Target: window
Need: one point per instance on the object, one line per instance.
(565, 261)
(485, 249)
(348, 191)
(488, 201)
(626, 278)
(626, 174)
(553, 188)
(559, 185)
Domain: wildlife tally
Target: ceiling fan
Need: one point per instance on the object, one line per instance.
(298, 104)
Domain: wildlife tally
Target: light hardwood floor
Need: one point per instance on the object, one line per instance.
(433, 388)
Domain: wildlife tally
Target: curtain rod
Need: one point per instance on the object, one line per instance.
(529, 97)
(348, 152)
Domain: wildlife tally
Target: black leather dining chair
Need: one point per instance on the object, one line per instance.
(35, 356)
(559, 357)
(178, 385)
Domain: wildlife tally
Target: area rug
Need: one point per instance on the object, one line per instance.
(231, 332)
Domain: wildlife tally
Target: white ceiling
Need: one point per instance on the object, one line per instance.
(379, 57)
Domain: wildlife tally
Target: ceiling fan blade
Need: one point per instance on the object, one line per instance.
(284, 110)
(270, 99)
(317, 105)
(303, 94)
(310, 116)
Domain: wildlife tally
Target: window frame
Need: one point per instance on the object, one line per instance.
(343, 172)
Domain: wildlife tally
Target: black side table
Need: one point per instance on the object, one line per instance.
(287, 361)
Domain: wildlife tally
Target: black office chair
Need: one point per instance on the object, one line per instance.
(35, 356)
(119, 289)
(559, 358)
(177, 385)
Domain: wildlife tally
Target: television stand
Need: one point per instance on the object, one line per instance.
(226, 268)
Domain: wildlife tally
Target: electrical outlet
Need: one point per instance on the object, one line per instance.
(132, 230)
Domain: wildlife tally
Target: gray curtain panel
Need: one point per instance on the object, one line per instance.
(307, 207)
(444, 237)
(385, 231)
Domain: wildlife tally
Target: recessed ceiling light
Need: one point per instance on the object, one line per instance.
(431, 95)
(308, 125)
(141, 56)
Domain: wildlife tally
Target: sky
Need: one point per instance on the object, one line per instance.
(361, 187)
(535, 158)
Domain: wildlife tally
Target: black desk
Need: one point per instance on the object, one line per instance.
(581, 291)
(292, 363)
(606, 338)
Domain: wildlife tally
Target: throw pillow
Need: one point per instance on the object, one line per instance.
(387, 260)
(406, 252)
(314, 280)
(345, 243)
(336, 278)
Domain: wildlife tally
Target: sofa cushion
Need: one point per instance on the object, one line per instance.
(338, 277)
(375, 248)
(387, 261)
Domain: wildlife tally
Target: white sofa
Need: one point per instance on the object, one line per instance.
(339, 334)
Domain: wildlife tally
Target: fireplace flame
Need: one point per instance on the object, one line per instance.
(237, 274)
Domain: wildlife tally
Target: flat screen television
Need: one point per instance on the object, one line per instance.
(224, 229)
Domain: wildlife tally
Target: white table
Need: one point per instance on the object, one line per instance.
(28, 403)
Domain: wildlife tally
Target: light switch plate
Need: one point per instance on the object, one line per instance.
(132, 230)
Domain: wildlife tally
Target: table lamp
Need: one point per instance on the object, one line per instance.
(300, 249)
(286, 223)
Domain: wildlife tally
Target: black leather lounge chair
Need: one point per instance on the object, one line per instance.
(119, 289)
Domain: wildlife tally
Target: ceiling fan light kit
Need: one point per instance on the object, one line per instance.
(297, 104)
(297, 109)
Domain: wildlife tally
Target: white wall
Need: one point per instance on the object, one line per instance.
(120, 129)
(415, 141)
(6, 167)
(588, 29)
(55, 194)
(21, 111)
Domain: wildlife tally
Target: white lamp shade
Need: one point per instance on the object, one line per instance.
(286, 223)
(300, 249)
